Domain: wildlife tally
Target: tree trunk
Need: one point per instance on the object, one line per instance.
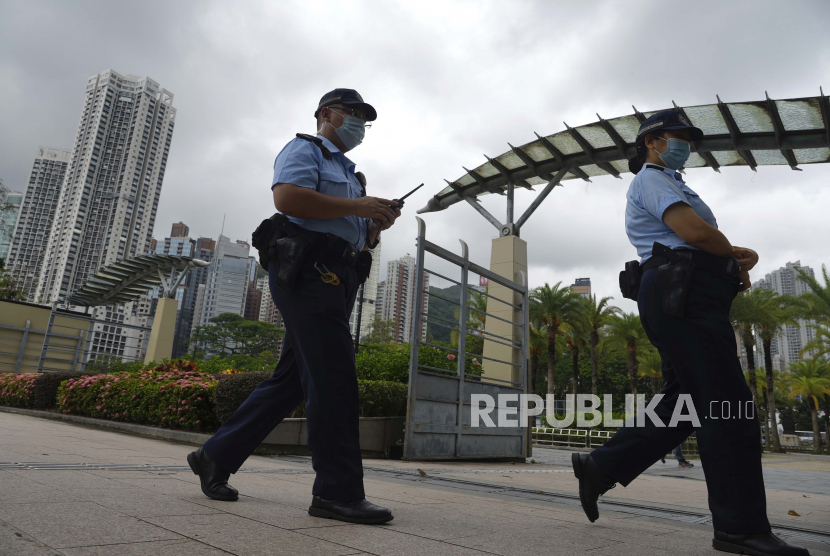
(534, 364)
(575, 359)
(750, 367)
(551, 362)
(632, 372)
(773, 433)
(816, 430)
(655, 386)
(827, 422)
(594, 361)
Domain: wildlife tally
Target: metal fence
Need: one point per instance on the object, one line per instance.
(37, 338)
(438, 423)
(544, 437)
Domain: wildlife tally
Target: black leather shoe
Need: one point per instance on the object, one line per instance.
(360, 511)
(214, 480)
(593, 483)
(756, 544)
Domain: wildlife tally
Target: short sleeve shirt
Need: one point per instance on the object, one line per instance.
(302, 163)
(652, 191)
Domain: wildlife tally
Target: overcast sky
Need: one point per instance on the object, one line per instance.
(451, 81)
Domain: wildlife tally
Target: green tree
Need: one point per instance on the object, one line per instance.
(476, 309)
(554, 307)
(650, 366)
(812, 380)
(597, 315)
(815, 305)
(381, 331)
(772, 312)
(537, 348)
(576, 336)
(626, 333)
(745, 316)
(231, 333)
(815, 368)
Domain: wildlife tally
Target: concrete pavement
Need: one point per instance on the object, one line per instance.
(461, 508)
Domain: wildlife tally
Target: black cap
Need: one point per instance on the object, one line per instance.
(347, 97)
(668, 120)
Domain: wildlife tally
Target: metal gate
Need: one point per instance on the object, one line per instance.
(438, 423)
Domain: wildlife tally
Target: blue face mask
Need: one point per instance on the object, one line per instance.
(352, 131)
(676, 154)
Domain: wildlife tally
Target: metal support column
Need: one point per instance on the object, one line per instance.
(22, 346)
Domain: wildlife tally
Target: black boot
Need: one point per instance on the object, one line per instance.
(593, 483)
(360, 511)
(214, 480)
(756, 544)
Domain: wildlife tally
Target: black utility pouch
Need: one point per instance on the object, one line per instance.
(363, 266)
(630, 280)
(674, 278)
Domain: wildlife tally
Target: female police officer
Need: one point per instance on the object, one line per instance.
(685, 292)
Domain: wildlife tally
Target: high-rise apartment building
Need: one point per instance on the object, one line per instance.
(399, 298)
(582, 286)
(227, 281)
(111, 189)
(10, 203)
(253, 302)
(370, 297)
(37, 213)
(379, 299)
(786, 347)
(180, 230)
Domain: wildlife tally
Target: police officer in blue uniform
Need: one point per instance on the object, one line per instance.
(325, 221)
(688, 275)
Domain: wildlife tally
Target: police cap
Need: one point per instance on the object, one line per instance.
(347, 97)
(668, 120)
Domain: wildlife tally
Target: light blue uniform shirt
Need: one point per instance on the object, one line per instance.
(302, 163)
(652, 191)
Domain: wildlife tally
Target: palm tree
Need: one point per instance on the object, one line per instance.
(554, 307)
(537, 348)
(597, 315)
(773, 313)
(744, 315)
(809, 382)
(576, 338)
(651, 366)
(625, 332)
(476, 309)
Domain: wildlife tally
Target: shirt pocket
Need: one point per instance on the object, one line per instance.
(335, 184)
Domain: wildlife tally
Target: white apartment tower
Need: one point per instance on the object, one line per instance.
(227, 281)
(370, 298)
(786, 347)
(107, 205)
(399, 298)
(37, 213)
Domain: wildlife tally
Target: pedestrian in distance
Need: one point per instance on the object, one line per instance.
(316, 252)
(684, 283)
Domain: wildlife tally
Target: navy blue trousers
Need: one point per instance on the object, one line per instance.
(699, 354)
(317, 365)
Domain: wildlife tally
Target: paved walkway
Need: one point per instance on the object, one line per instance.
(70, 490)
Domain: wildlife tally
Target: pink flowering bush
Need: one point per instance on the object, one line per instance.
(18, 390)
(174, 395)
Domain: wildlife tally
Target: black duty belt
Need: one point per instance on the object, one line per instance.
(334, 248)
(727, 267)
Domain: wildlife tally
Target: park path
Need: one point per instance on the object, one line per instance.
(73, 490)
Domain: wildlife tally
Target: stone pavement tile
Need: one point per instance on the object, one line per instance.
(251, 538)
(182, 547)
(67, 480)
(383, 541)
(17, 490)
(14, 542)
(439, 524)
(552, 540)
(267, 511)
(137, 502)
(79, 524)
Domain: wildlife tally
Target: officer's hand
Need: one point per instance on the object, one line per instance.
(376, 209)
(385, 225)
(745, 282)
(748, 257)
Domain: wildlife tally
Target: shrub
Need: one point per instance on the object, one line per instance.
(173, 395)
(377, 398)
(391, 362)
(47, 385)
(240, 362)
(18, 390)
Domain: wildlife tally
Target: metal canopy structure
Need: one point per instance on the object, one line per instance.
(128, 279)
(766, 132)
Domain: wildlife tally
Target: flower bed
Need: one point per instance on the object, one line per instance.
(173, 395)
(18, 390)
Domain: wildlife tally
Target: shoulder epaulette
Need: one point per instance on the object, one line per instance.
(317, 141)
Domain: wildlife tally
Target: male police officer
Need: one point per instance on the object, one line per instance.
(315, 186)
